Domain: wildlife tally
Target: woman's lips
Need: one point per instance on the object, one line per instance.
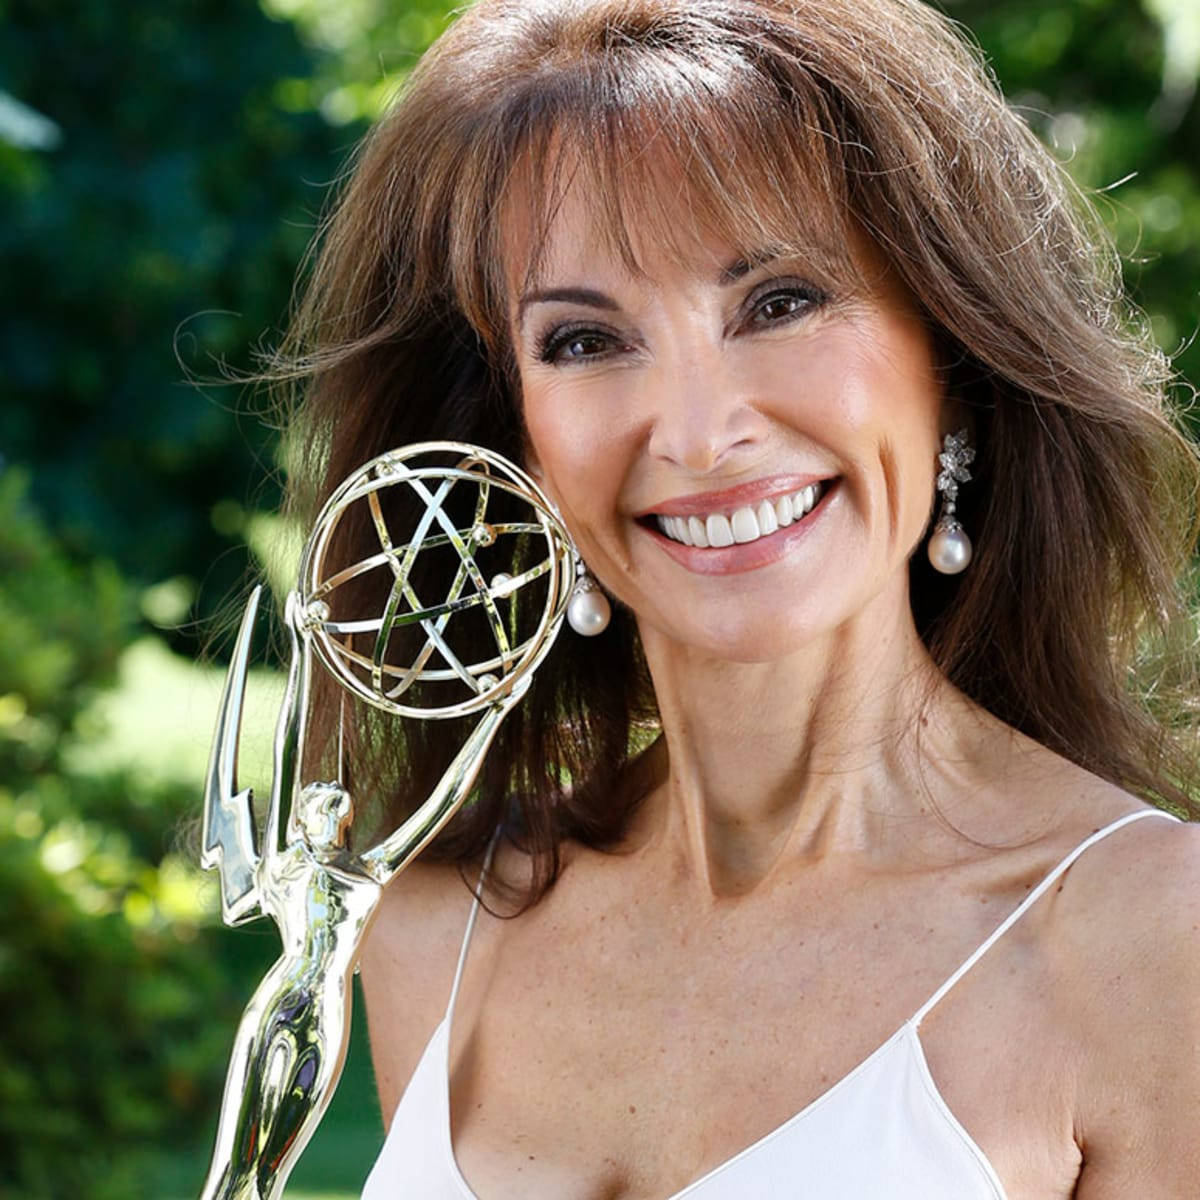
(729, 499)
(751, 554)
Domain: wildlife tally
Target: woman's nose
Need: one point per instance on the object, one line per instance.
(701, 411)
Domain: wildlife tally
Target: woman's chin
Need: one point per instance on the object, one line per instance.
(737, 639)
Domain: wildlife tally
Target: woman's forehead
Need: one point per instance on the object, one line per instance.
(554, 223)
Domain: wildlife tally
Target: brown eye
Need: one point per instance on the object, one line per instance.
(581, 347)
(571, 345)
(781, 305)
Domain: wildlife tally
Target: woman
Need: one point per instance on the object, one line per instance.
(832, 865)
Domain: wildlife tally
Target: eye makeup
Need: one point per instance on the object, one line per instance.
(772, 304)
(556, 338)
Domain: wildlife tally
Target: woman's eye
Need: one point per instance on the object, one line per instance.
(781, 305)
(572, 345)
(587, 346)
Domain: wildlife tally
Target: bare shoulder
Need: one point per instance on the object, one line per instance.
(1127, 932)
(407, 968)
(1136, 890)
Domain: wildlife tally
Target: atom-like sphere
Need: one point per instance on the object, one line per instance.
(442, 515)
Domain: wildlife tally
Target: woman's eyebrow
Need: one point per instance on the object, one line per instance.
(571, 295)
(743, 266)
(736, 270)
(728, 274)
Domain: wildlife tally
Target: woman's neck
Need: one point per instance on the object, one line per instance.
(829, 753)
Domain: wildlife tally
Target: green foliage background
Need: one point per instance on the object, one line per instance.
(161, 168)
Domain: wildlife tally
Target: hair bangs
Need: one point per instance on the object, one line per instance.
(674, 151)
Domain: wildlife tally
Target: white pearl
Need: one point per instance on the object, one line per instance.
(588, 612)
(950, 550)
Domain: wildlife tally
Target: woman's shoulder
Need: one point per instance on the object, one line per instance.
(1138, 880)
(1123, 922)
(407, 968)
(418, 908)
(1136, 889)
(1133, 896)
(410, 954)
(1125, 932)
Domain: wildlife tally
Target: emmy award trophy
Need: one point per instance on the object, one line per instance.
(440, 511)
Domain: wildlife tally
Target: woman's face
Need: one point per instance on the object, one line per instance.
(697, 404)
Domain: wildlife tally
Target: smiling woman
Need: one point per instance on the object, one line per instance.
(719, 394)
(828, 371)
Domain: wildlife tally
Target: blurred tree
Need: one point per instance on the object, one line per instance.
(164, 212)
(1110, 85)
(156, 194)
(364, 47)
(109, 995)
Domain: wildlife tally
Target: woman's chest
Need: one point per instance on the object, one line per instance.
(573, 1075)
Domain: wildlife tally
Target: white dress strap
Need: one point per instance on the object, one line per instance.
(1032, 899)
(462, 953)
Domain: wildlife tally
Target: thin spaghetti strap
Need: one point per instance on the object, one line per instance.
(1032, 899)
(462, 953)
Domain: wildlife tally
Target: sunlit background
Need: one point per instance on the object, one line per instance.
(162, 166)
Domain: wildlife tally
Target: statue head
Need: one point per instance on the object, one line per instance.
(324, 812)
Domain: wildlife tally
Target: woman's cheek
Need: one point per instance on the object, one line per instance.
(572, 431)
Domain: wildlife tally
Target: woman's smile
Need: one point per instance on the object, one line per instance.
(712, 538)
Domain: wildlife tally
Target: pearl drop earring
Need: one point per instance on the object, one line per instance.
(588, 610)
(949, 546)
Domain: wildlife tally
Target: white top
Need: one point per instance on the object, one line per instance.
(881, 1130)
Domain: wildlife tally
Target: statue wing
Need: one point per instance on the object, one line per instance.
(230, 838)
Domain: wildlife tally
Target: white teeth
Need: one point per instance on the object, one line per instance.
(803, 501)
(767, 521)
(719, 532)
(745, 526)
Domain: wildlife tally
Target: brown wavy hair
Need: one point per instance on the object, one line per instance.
(789, 122)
